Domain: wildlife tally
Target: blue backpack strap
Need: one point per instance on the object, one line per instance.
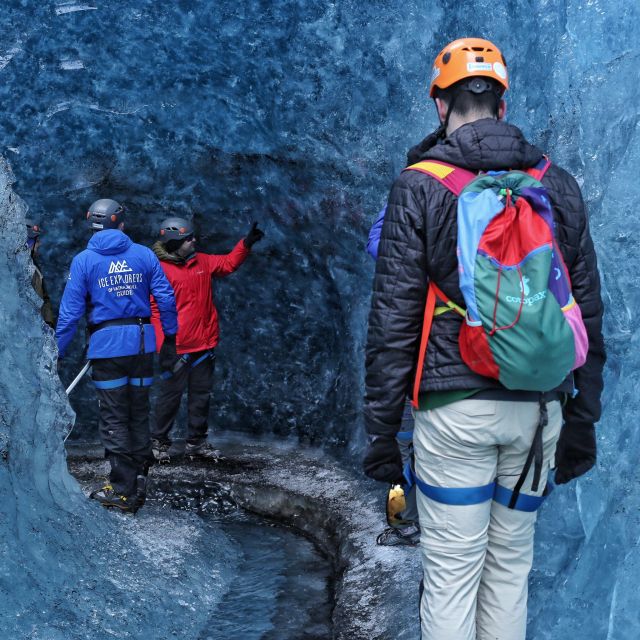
(453, 178)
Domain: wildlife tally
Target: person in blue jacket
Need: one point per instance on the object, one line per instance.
(111, 281)
(404, 530)
(374, 234)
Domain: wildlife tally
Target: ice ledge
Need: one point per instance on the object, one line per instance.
(340, 513)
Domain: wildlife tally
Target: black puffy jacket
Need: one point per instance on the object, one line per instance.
(418, 243)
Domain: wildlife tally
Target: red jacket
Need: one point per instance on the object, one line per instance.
(191, 281)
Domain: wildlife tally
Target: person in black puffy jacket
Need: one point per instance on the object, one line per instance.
(472, 436)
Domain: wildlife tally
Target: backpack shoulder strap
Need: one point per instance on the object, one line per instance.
(539, 169)
(453, 178)
(434, 294)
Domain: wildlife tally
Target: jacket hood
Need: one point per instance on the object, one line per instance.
(483, 145)
(109, 241)
(162, 254)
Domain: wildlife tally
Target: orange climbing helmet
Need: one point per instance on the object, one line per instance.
(466, 58)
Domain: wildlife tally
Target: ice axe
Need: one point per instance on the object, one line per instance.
(79, 377)
(74, 384)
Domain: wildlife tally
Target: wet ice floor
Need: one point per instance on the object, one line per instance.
(263, 582)
(281, 589)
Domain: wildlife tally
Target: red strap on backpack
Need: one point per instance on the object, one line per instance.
(433, 293)
(455, 180)
(540, 169)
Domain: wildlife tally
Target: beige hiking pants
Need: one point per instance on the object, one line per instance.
(477, 557)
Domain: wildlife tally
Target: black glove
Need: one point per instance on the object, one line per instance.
(383, 461)
(253, 236)
(168, 354)
(576, 451)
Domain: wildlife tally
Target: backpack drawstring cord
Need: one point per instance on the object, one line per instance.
(494, 328)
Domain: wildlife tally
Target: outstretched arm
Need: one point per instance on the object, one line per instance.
(223, 265)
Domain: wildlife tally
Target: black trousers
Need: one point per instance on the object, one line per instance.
(122, 385)
(196, 376)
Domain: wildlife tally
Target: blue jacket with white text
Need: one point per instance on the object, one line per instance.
(112, 280)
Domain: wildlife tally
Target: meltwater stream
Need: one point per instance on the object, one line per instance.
(267, 583)
(280, 589)
(258, 580)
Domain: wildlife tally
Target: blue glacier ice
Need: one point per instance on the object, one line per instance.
(297, 114)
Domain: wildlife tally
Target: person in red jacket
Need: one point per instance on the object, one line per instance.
(189, 273)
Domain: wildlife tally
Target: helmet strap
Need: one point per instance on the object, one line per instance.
(442, 130)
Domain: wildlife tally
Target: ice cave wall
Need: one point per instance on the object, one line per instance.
(298, 114)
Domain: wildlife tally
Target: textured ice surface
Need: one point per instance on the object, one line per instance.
(298, 114)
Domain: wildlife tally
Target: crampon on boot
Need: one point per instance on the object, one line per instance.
(160, 451)
(202, 451)
(399, 537)
(107, 497)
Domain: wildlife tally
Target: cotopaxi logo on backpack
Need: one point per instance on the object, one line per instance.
(524, 297)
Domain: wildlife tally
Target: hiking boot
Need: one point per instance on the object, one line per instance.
(160, 451)
(202, 451)
(107, 497)
(399, 537)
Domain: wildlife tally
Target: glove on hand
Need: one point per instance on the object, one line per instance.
(253, 236)
(383, 461)
(576, 451)
(168, 354)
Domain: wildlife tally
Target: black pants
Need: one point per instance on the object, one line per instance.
(122, 385)
(196, 375)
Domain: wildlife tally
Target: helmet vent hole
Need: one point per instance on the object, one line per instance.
(477, 48)
(446, 57)
(479, 58)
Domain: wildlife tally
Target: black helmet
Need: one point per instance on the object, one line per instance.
(175, 229)
(33, 229)
(105, 214)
